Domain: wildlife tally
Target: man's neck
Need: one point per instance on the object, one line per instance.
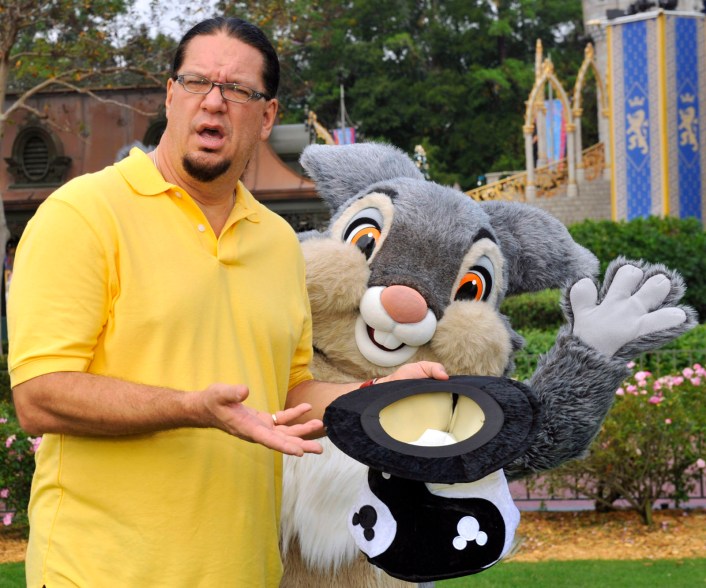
(216, 199)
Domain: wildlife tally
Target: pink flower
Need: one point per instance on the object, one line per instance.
(668, 421)
(4, 493)
(700, 463)
(678, 380)
(696, 381)
(620, 392)
(631, 364)
(655, 399)
(10, 440)
(7, 519)
(35, 441)
(657, 385)
(631, 389)
(642, 375)
(3, 420)
(688, 372)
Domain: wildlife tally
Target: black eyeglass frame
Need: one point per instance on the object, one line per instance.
(254, 94)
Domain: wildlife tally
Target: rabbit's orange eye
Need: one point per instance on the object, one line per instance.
(364, 236)
(364, 230)
(476, 285)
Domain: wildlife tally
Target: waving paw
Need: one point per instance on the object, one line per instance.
(635, 311)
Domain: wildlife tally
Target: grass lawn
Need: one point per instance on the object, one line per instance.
(12, 575)
(686, 573)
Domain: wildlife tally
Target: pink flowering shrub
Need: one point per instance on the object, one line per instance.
(17, 451)
(652, 444)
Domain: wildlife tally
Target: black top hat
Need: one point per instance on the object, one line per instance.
(436, 431)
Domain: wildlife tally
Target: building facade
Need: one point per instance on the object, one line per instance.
(90, 133)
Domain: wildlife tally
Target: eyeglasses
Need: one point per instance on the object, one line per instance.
(196, 84)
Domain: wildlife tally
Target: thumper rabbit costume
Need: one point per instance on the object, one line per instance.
(410, 270)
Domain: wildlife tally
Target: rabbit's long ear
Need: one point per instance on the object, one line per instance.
(540, 252)
(341, 172)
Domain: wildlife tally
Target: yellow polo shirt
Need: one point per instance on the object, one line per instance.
(120, 274)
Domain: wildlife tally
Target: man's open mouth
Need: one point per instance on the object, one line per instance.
(211, 133)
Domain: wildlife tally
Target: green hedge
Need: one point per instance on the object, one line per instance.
(537, 310)
(684, 351)
(679, 244)
(5, 392)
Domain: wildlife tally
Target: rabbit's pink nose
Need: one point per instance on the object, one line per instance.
(403, 304)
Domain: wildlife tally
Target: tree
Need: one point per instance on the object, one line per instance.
(452, 75)
(72, 44)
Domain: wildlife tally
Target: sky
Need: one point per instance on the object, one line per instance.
(166, 19)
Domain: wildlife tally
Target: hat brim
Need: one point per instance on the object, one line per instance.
(510, 417)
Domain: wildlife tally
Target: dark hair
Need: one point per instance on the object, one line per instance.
(243, 31)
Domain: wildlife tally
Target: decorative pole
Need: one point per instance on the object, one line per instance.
(530, 188)
(541, 126)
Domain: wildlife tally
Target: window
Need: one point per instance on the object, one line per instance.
(37, 159)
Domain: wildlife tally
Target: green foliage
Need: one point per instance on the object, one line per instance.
(534, 310)
(53, 37)
(687, 349)
(651, 445)
(677, 243)
(16, 457)
(16, 468)
(452, 76)
(5, 390)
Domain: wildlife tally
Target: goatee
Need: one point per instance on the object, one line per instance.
(205, 172)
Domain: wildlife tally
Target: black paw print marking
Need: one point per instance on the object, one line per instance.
(366, 517)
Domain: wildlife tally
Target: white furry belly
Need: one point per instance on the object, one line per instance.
(318, 494)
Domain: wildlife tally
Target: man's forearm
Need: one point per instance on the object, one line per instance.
(77, 403)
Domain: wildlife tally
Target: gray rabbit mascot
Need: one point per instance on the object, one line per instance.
(411, 270)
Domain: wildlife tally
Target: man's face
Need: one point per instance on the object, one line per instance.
(210, 135)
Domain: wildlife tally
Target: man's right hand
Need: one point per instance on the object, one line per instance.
(224, 403)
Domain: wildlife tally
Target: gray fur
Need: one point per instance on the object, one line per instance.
(576, 386)
(341, 174)
(538, 249)
(530, 239)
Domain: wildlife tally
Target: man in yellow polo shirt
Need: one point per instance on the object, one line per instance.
(159, 324)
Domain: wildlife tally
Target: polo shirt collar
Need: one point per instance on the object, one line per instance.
(140, 172)
(142, 175)
(246, 206)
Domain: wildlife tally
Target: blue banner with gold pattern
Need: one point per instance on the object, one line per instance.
(636, 95)
(686, 55)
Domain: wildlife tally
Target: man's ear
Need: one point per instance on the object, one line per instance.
(268, 118)
(170, 96)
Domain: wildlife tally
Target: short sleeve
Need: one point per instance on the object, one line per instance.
(60, 293)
